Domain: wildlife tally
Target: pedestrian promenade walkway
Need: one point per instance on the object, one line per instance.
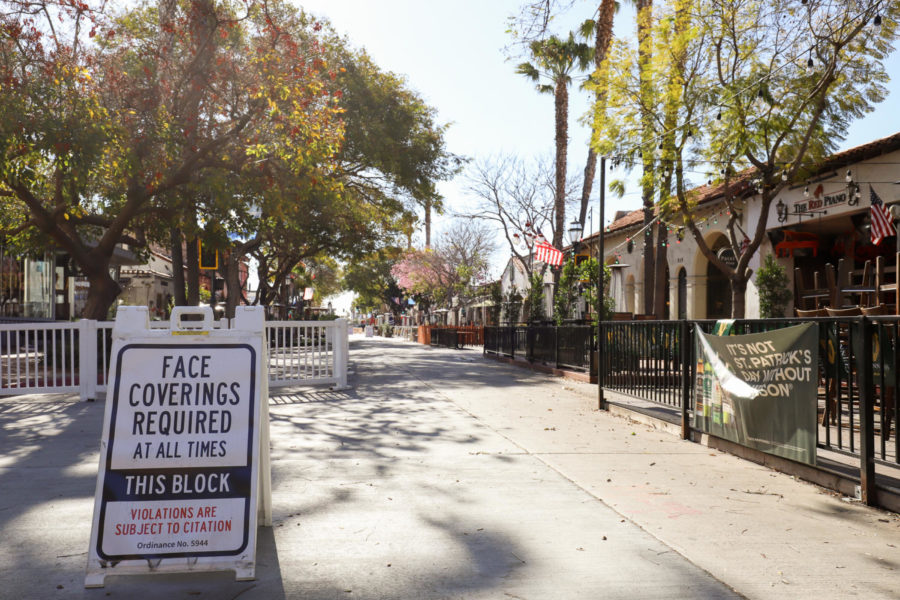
(444, 475)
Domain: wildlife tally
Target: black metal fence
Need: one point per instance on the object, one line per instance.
(568, 346)
(857, 376)
(446, 337)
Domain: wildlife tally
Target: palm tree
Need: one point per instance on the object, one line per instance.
(554, 60)
(601, 30)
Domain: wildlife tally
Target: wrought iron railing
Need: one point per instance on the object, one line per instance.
(857, 370)
(568, 346)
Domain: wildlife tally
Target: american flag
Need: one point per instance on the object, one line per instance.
(546, 253)
(880, 215)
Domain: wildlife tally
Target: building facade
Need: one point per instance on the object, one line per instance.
(808, 225)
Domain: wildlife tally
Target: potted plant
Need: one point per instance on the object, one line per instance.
(774, 289)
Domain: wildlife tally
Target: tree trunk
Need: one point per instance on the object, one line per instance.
(213, 275)
(102, 293)
(262, 288)
(192, 257)
(561, 101)
(590, 171)
(179, 295)
(561, 98)
(648, 255)
(605, 14)
(661, 275)
(232, 283)
(428, 223)
(738, 293)
(644, 8)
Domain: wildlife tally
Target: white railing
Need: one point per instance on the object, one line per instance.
(302, 352)
(70, 357)
(409, 333)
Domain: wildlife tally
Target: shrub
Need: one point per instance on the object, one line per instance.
(774, 289)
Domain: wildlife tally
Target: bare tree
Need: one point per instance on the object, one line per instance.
(517, 198)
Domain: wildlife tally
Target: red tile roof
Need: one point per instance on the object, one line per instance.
(708, 193)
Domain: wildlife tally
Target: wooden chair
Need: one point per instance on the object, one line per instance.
(868, 282)
(865, 290)
(883, 289)
(843, 280)
(810, 298)
(846, 311)
(621, 316)
(874, 311)
(811, 314)
(832, 287)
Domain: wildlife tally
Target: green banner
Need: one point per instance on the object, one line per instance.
(759, 390)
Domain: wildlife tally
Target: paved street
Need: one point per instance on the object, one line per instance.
(445, 475)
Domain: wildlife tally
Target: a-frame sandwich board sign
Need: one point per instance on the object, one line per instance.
(184, 474)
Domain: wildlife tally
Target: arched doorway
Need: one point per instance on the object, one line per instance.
(682, 293)
(718, 294)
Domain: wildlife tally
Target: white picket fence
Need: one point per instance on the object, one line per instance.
(73, 357)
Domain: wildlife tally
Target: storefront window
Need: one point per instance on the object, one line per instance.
(38, 292)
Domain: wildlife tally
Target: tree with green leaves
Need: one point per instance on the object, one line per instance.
(512, 307)
(581, 281)
(394, 149)
(757, 92)
(370, 277)
(534, 299)
(774, 289)
(104, 119)
(532, 24)
(567, 292)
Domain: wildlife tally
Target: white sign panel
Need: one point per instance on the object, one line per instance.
(179, 461)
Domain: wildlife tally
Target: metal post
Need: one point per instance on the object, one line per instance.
(555, 330)
(601, 401)
(863, 353)
(340, 348)
(687, 345)
(87, 359)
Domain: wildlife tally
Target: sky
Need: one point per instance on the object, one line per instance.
(451, 53)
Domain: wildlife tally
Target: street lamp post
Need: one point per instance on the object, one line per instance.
(576, 233)
(601, 402)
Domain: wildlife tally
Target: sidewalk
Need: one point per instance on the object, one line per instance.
(444, 475)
